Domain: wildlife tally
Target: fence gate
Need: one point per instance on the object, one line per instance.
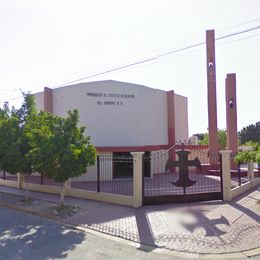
(183, 175)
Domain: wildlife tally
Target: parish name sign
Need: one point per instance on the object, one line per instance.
(119, 98)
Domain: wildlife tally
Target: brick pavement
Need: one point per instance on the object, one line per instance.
(204, 228)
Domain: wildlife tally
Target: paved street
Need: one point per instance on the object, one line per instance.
(203, 229)
(24, 236)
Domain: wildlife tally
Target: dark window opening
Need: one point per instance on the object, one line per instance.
(123, 165)
(147, 164)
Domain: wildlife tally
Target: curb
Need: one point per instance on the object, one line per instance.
(237, 255)
(30, 211)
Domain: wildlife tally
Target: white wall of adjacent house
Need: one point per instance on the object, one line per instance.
(158, 161)
(181, 118)
(120, 114)
(106, 169)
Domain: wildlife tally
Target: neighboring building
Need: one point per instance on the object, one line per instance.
(122, 117)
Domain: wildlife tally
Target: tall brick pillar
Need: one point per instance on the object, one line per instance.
(48, 100)
(231, 113)
(212, 97)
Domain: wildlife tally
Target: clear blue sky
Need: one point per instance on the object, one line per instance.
(48, 43)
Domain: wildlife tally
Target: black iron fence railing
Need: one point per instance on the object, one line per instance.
(111, 174)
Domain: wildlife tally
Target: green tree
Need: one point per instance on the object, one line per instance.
(250, 133)
(249, 156)
(60, 149)
(9, 135)
(200, 136)
(14, 144)
(222, 138)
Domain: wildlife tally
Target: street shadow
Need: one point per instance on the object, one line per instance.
(200, 220)
(235, 204)
(145, 231)
(29, 237)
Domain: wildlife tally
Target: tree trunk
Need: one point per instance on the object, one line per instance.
(62, 195)
(20, 180)
(27, 187)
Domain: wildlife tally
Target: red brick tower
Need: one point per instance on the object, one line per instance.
(212, 97)
(231, 113)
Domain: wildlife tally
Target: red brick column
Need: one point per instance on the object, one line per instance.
(212, 97)
(48, 100)
(231, 113)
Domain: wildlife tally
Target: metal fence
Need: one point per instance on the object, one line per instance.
(7, 176)
(239, 173)
(181, 175)
(257, 170)
(112, 174)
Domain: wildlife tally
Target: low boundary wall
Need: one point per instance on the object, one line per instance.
(8, 183)
(229, 193)
(78, 193)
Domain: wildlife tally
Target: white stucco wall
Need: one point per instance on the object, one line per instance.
(137, 115)
(158, 161)
(181, 118)
(106, 169)
(39, 100)
(134, 120)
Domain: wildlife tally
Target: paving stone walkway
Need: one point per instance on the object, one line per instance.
(214, 227)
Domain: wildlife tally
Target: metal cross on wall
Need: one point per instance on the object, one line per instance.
(183, 164)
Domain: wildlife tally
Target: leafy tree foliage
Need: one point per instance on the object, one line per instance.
(44, 143)
(200, 136)
(222, 138)
(14, 144)
(9, 138)
(60, 149)
(250, 133)
(249, 156)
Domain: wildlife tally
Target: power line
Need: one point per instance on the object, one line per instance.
(240, 24)
(132, 64)
(11, 99)
(156, 57)
(238, 33)
(111, 70)
(161, 55)
(241, 39)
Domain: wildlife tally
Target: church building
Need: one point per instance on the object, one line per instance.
(122, 117)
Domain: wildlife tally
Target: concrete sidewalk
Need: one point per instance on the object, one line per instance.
(196, 228)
